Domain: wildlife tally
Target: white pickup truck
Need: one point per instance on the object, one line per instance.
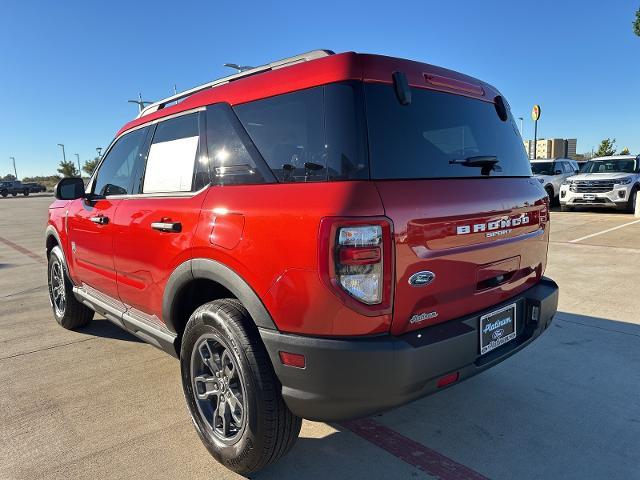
(552, 173)
(604, 182)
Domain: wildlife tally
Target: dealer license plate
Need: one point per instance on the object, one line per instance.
(497, 328)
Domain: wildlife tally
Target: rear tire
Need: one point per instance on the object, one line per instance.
(14, 194)
(231, 389)
(67, 310)
(26, 193)
(4, 193)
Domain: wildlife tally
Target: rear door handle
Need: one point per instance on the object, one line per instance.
(171, 227)
(100, 219)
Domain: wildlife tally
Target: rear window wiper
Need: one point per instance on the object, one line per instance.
(486, 162)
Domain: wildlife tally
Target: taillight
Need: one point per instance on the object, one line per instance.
(356, 261)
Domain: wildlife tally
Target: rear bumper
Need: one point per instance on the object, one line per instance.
(351, 378)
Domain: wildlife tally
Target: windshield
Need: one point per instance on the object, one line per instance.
(434, 135)
(542, 168)
(611, 166)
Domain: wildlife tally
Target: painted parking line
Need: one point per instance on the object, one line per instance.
(604, 231)
(411, 452)
(24, 251)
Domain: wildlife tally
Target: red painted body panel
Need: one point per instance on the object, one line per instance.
(425, 215)
(90, 245)
(277, 254)
(144, 257)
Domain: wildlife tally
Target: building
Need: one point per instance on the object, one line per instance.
(552, 148)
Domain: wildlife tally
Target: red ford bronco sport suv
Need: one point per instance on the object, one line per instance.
(323, 237)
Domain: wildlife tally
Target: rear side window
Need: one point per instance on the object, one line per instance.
(434, 135)
(233, 158)
(123, 161)
(310, 135)
(172, 156)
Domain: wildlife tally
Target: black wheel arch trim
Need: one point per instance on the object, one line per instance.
(203, 268)
(52, 232)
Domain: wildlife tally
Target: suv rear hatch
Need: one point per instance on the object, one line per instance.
(455, 180)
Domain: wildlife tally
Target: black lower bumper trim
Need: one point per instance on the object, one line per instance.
(351, 378)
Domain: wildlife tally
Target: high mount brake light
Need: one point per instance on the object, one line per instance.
(356, 259)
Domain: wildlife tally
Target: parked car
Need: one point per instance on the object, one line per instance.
(13, 187)
(604, 182)
(35, 187)
(552, 173)
(325, 237)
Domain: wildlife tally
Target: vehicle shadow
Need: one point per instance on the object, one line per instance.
(568, 406)
(101, 327)
(592, 210)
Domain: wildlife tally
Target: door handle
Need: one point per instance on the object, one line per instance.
(100, 219)
(171, 227)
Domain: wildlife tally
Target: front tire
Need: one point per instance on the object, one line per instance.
(67, 310)
(26, 193)
(633, 198)
(231, 389)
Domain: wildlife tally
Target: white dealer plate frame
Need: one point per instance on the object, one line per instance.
(508, 338)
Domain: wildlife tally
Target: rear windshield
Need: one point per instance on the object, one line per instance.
(434, 135)
(542, 168)
(610, 166)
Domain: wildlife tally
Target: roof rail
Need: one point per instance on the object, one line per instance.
(285, 62)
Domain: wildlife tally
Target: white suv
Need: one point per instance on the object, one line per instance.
(604, 182)
(552, 173)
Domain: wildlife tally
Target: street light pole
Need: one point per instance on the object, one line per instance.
(14, 167)
(79, 169)
(521, 126)
(141, 103)
(64, 157)
(99, 150)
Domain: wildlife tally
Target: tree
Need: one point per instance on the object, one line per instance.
(90, 165)
(636, 23)
(68, 169)
(607, 148)
(624, 151)
(9, 177)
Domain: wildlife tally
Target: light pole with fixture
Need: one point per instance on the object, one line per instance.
(99, 150)
(141, 103)
(79, 169)
(64, 156)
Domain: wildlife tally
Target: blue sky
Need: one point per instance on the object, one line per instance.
(67, 68)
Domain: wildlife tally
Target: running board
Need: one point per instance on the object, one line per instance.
(137, 323)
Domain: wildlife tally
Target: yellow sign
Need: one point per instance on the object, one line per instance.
(535, 113)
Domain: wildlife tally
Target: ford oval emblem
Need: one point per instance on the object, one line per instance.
(421, 279)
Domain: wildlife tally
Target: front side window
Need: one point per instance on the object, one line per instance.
(172, 156)
(122, 163)
(440, 135)
(310, 135)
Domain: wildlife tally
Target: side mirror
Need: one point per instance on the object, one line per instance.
(558, 172)
(70, 189)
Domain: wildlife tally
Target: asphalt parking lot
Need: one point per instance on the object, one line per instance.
(100, 404)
